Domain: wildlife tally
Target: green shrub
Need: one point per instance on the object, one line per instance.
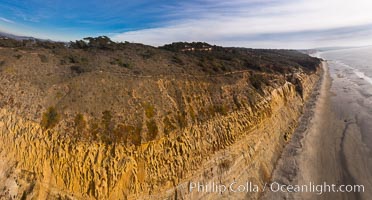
(177, 60)
(192, 114)
(152, 129)
(182, 120)
(237, 102)
(256, 81)
(133, 134)
(50, 118)
(121, 63)
(121, 133)
(2, 63)
(149, 110)
(43, 58)
(107, 121)
(84, 59)
(126, 65)
(221, 109)
(224, 165)
(18, 56)
(77, 69)
(148, 54)
(76, 59)
(94, 129)
(63, 62)
(80, 123)
(168, 126)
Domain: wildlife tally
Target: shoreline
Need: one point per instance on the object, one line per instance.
(325, 148)
(293, 167)
(321, 158)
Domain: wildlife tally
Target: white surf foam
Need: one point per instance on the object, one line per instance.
(363, 76)
(357, 72)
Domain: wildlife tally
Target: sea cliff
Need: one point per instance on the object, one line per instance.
(130, 121)
(242, 145)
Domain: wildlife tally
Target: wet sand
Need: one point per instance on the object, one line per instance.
(327, 146)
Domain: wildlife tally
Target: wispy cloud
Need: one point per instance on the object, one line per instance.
(237, 22)
(250, 23)
(7, 20)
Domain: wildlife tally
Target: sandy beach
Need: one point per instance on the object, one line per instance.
(326, 147)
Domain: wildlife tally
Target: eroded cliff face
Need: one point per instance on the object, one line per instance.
(240, 145)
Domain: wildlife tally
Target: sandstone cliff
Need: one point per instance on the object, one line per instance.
(215, 128)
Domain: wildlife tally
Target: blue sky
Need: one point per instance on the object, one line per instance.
(248, 23)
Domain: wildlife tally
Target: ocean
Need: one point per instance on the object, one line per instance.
(351, 100)
(351, 73)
